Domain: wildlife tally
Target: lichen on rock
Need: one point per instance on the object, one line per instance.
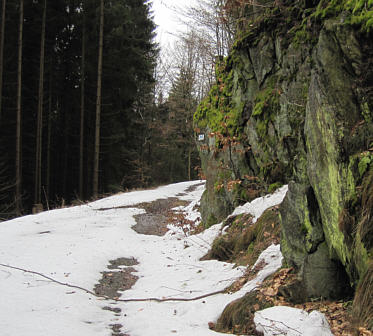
(294, 102)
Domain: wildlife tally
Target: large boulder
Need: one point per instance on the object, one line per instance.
(293, 104)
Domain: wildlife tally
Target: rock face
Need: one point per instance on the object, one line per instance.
(293, 104)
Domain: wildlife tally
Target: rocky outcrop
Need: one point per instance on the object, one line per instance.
(293, 104)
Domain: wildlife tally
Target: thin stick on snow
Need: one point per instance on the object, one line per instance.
(277, 329)
(109, 298)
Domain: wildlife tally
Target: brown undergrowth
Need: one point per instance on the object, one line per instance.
(244, 240)
(242, 243)
(238, 316)
(363, 305)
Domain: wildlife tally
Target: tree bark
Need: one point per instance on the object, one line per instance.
(98, 103)
(49, 135)
(82, 106)
(189, 163)
(39, 127)
(2, 54)
(19, 105)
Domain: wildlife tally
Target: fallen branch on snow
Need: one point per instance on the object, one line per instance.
(273, 327)
(109, 298)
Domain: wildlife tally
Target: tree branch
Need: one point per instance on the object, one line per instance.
(109, 298)
(273, 327)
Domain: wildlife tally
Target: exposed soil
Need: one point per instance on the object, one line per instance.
(120, 278)
(191, 189)
(194, 187)
(117, 263)
(154, 222)
(158, 215)
(118, 207)
(116, 328)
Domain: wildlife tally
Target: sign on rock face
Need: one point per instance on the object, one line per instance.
(201, 137)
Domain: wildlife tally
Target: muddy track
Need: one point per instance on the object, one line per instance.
(120, 276)
(157, 216)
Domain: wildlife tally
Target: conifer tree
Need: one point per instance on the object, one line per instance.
(39, 126)
(98, 102)
(55, 82)
(2, 34)
(19, 110)
(82, 102)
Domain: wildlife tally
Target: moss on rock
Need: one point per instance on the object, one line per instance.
(296, 92)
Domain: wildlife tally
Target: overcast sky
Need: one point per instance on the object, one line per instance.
(167, 18)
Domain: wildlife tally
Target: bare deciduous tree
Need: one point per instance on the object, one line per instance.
(211, 20)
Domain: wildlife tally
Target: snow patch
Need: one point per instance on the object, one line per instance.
(290, 321)
(74, 245)
(272, 258)
(261, 204)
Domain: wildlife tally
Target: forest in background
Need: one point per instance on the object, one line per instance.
(89, 103)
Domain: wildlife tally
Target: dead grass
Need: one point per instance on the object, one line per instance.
(363, 301)
(365, 226)
(244, 240)
(238, 316)
(242, 244)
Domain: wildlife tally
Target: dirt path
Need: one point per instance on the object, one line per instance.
(121, 276)
(157, 216)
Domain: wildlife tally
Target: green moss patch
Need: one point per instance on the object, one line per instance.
(265, 108)
(358, 13)
(211, 220)
(266, 101)
(274, 186)
(366, 160)
(217, 110)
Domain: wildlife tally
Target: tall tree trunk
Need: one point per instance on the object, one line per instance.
(189, 163)
(19, 104)
(39, 127)
(98, 102)
(49, 135)
(82, 106)
(2, 54)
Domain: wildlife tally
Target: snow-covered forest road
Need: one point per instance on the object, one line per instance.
(85, 244)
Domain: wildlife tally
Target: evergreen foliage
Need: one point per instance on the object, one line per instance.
(129, 59)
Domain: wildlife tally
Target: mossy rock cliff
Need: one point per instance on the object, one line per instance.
(293, 103)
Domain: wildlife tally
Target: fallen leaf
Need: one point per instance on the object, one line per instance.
(211, 325)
